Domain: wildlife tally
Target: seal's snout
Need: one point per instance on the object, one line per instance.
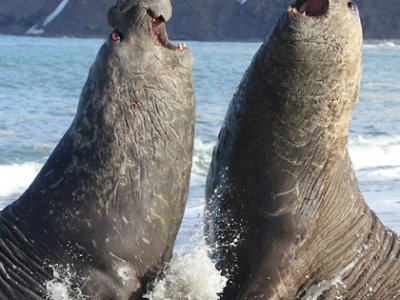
(158, 13)
(313, 8)
(160, 9)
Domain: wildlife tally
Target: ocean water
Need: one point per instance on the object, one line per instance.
(40, 83)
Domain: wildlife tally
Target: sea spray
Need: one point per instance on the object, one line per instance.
(201, 160)
(190, 276)
(61, 287)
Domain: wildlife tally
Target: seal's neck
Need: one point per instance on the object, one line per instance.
(305, 102)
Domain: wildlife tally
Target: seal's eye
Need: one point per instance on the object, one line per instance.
(351, 5)
(115, 36)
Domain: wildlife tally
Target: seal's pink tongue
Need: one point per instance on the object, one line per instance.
(314, 7)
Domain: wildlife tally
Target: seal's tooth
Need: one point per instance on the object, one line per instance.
(182, 46)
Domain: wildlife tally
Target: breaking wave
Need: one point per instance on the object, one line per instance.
(15, 178)
(382, 44)
(381, 151)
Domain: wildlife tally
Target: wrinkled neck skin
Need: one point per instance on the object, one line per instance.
(283, 205)
(296, 101)
(110, 199)
(304, 84)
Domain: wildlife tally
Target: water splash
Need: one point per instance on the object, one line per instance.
(191, 276)
(62, 286)
(201, 160)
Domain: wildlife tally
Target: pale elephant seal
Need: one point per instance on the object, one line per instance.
(108, 203)
(284, 210)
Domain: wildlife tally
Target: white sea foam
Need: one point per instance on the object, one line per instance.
(38, 29)
(191, 276)
(203, 147)
(61, 287)
(201, 160)
(6, 132)
(384, 44)
(15, 178)
(382, 151)
(381, 174)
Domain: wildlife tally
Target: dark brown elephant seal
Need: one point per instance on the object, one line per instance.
(109, 201)
(284, 210)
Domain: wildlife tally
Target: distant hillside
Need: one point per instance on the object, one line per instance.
(231, 20)
(192, 19)
(55, 17)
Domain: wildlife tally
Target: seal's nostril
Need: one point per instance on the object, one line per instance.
(313, 7)
(351, 5)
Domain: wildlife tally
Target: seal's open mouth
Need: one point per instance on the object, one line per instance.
(160, 37)
(313, 8)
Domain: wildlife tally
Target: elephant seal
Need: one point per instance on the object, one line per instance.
(108, 203)
(284, 211)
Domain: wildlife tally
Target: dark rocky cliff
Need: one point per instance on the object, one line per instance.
(192, 19)
(77, 18)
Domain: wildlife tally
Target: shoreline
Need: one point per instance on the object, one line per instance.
(368, 41)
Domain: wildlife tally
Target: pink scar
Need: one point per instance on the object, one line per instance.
(137, 101)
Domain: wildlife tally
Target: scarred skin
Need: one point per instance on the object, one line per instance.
(284, 210)
(110, 199)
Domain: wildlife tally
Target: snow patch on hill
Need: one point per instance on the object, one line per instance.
(39, 28)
